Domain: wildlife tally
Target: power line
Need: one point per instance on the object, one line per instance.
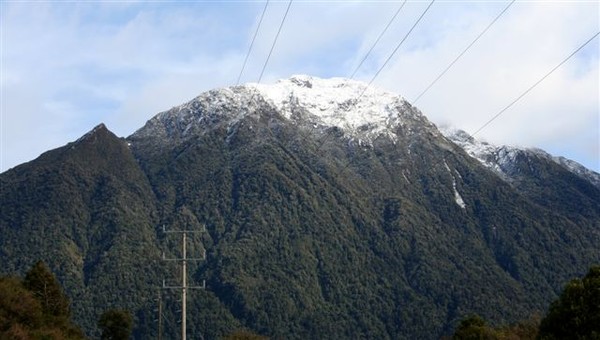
(274, 41)
(395, 50)
(377, 41)
(534, 85)
(463, 52)
(252, 43)
(350, 161)
(355, 101)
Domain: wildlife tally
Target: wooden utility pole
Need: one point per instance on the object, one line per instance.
(184, 285)
(160, 316)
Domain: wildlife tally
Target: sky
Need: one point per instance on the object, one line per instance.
(67, 66)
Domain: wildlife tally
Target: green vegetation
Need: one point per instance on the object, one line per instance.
(575, 315)
(298, 245)
(46, 289)
(244, 334)
(115, 324)
(475, 328)
(35, 308)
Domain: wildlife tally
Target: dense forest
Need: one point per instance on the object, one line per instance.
(37, 308)
(308, 232)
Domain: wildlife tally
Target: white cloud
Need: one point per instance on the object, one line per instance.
(67, 67)
(523, 46)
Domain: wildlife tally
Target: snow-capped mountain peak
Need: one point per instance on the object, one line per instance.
(363, 112)
(502, 159)
(341, 102)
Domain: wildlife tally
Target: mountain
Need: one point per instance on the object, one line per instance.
(331, 209)
(531, 171)
(88, 211)
(504, 160)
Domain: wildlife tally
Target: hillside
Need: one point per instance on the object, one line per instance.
(328, 214)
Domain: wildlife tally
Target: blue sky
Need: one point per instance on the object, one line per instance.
(68, 66)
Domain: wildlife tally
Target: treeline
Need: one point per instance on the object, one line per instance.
(36, 307)
(575, 315)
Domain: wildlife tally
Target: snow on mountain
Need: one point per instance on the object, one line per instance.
(579, 169)
(91, 133)
(492, 156)
(501, 159)
(361, 111)
(350, 105)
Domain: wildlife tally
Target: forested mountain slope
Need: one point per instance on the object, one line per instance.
(327, 214)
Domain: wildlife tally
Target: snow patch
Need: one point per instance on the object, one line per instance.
(91, 133)
(447, 167)
(353, 106)
(496, 158)
(362, 113)
(501, 159)
(457, 197)
(579, 170)
(406, 178)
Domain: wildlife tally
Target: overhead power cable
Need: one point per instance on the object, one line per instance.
(355, 101)
(463, 52)
(395, 50)
(274, 41)
(534, 85)
(377, 41)
(252, 43)
(348, 163)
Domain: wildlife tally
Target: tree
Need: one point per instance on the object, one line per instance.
(27, 312)
(18, 308)
(116, 324)
(473, 328)
(576, 314)
(46, 289)
(244, 334)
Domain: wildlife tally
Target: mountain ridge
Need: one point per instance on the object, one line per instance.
(308, 101)
(499, 158)
(312, 231)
